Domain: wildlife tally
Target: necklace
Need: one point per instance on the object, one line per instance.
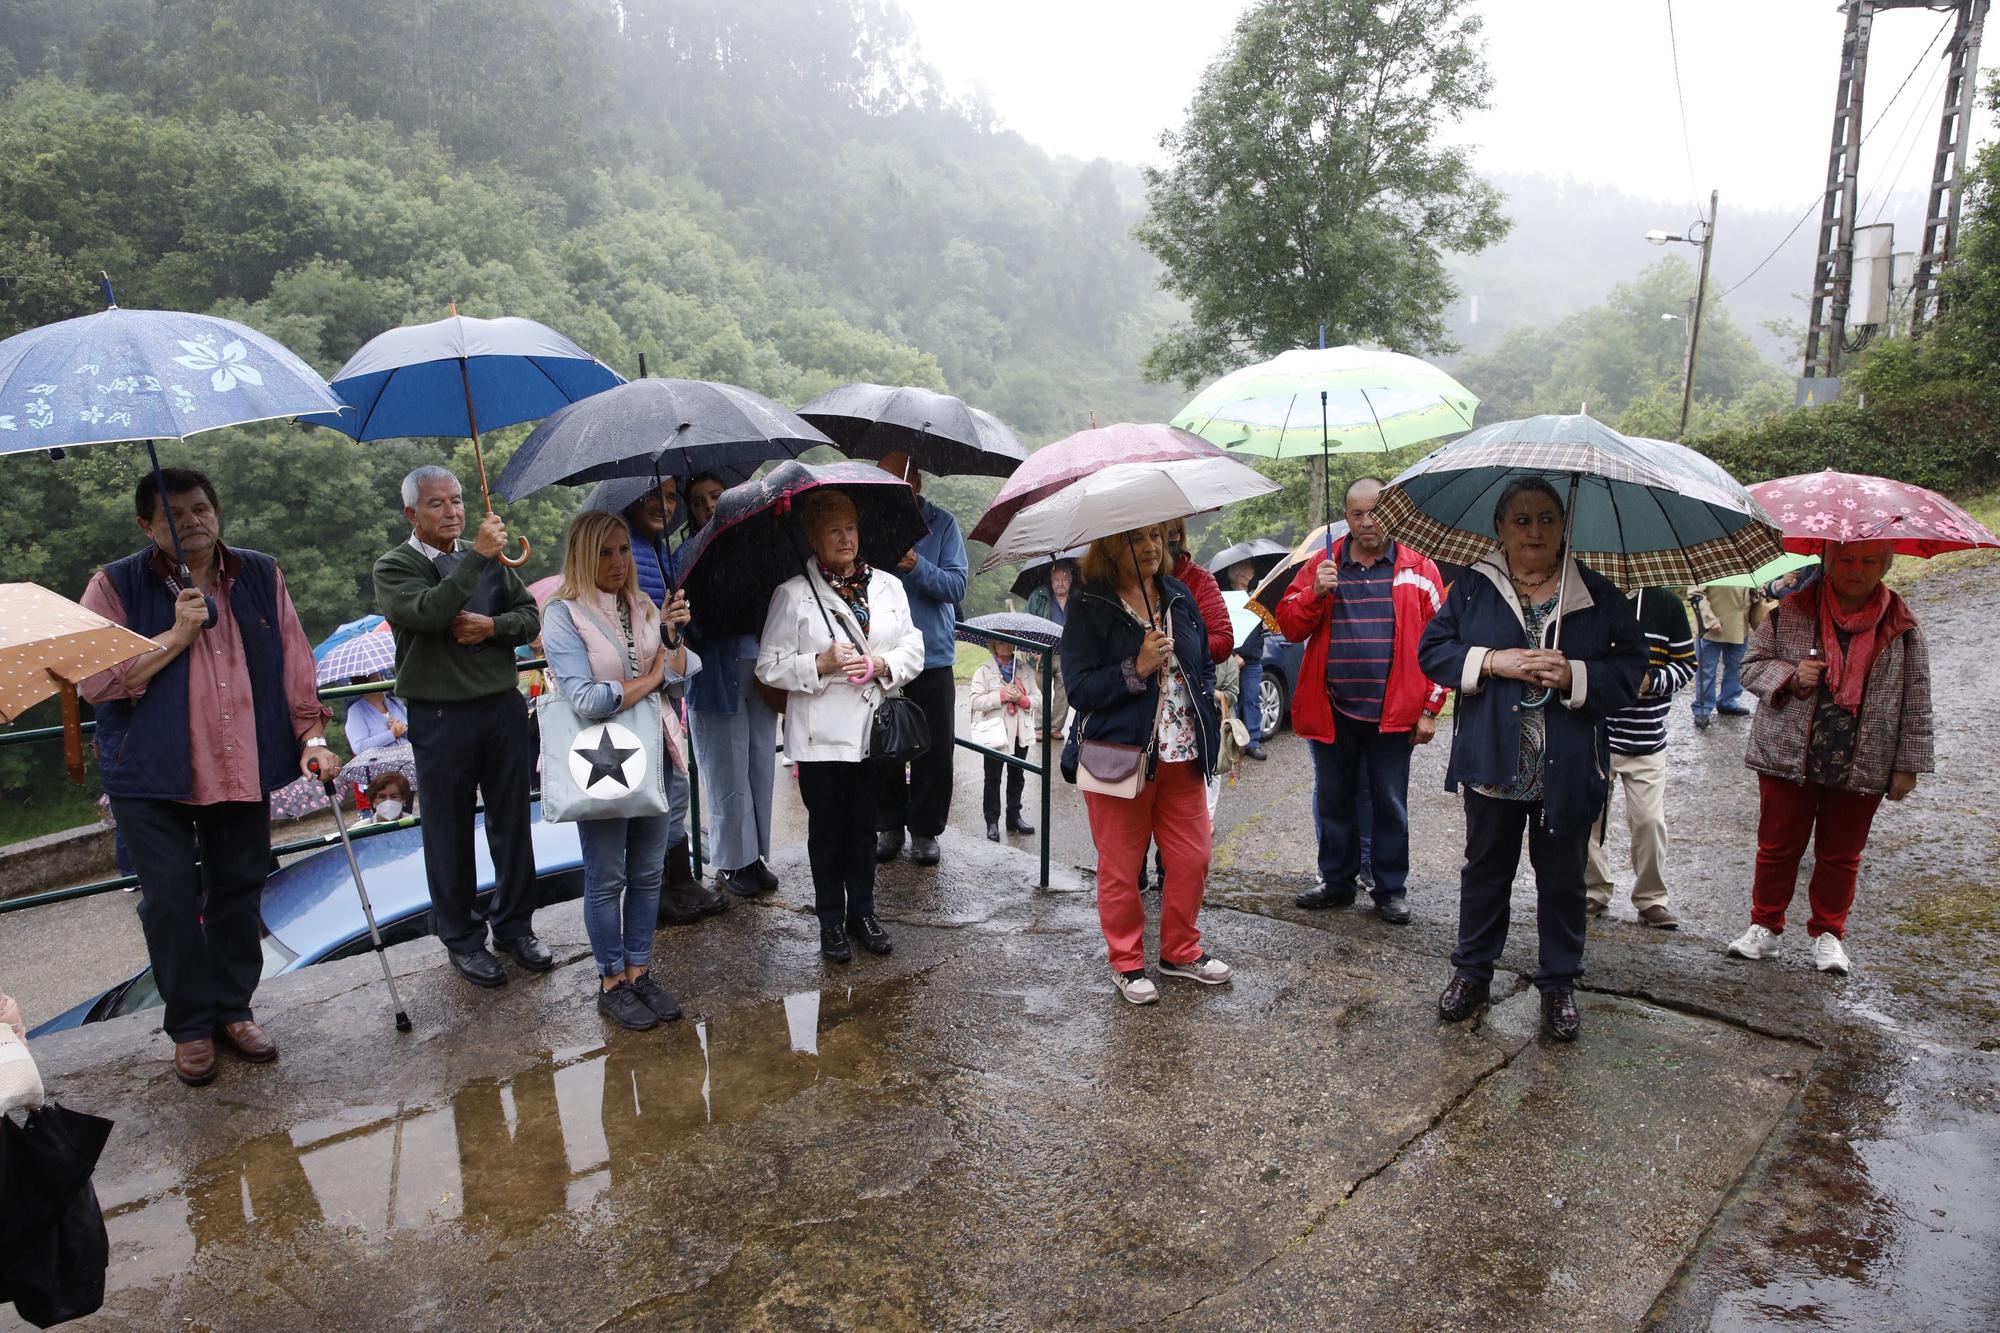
(1524, 583)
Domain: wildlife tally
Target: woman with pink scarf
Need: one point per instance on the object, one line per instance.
(1845, 719)
(608, 647)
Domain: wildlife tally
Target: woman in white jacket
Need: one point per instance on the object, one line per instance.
(809, 650)
(1006, 706)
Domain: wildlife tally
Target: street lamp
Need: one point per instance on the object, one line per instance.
(1701, 233)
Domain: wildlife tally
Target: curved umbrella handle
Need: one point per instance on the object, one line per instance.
(516, 561)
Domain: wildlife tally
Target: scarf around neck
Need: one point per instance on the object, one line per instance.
(1879, 620)
(852, 589)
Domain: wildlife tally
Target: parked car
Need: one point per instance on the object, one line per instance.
(1281, 677)
(313, 915)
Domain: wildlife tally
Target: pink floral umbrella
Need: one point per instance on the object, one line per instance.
(1823, 507)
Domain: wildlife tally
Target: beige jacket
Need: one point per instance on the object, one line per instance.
(1727, 614)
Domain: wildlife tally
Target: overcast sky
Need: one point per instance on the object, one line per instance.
(1582, 88)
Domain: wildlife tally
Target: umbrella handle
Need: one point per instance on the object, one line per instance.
(516, 561)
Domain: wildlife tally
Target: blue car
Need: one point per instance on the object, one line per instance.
(313, 915)
(1281, 678)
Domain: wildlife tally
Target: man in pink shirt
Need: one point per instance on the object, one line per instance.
(191, 740)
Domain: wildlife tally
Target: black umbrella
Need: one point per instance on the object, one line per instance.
(1262, 553)
(654, 427)
(1035, 573)
(939, 432)
(755, 542)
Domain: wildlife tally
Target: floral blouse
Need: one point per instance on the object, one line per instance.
(1527, 783)
(1834, 733)
(1177, 741)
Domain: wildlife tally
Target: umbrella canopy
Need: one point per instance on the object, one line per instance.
(370, 624)
(1121, 497)
(939, 432)
(1261, 552)
(370, 654)
(1270, 589)
(460, 376)
(1035, 573)
(1310, 401)
(543, 589)
(1640, 515)
(616, 494)
(146, 375)
(656, 427)
(47, 641)
(1763, 574)
(1017, 623)
(755, 542)
(1822, 507)
(1055, 466)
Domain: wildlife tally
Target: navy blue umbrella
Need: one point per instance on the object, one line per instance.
(940, 433)
(460, 376)
(129, 375)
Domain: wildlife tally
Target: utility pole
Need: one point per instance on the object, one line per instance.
(1948, 167)
(1694, 322)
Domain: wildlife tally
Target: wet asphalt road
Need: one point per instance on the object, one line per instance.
(975, 1133)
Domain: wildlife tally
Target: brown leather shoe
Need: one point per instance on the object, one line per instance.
(247, 1040)
(194, 1061)
(1659, 917)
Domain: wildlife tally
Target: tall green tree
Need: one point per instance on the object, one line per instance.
(1310, 184)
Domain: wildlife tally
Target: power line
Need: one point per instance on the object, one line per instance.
(1867, 134)
(1687, 140)
(1914, 120)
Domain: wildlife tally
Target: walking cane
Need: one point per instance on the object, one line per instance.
(367, 908)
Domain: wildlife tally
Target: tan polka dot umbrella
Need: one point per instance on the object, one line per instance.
(50, 645)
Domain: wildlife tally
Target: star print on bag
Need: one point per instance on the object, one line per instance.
(608, 753)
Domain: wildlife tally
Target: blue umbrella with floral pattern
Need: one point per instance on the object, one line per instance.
(129, 375)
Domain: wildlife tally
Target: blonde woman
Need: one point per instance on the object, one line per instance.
(832, 686)
(608, 647)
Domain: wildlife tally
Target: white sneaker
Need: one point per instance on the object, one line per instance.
(1208, 971)
(1755, 942)
(1136, 986)
(1829, 954)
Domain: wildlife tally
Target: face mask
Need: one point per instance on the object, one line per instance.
(388, 809)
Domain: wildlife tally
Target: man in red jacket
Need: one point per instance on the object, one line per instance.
(1360, 613)
(1207, 593)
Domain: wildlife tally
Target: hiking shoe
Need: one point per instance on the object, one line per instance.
(1208, 971)
(623, 1006)
(1829, 954)
(1136, 986)
(1755, 942)
(657, 997)
(1660, 917)
(869, 933)
(833, 945)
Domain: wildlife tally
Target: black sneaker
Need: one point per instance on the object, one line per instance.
(657, 997)
(833, 944)
(744, 883)
(869, 932)
(625, 1007)
(765, 878)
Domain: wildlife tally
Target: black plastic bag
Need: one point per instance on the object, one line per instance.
(53, 1247)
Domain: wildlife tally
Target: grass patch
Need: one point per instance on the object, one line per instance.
(51, 810)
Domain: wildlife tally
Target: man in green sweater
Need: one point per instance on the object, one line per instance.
(458, 614)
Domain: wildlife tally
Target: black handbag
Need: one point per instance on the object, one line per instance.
(898, 731)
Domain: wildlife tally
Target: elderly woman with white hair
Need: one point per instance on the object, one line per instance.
(1844, 682)
(837, 638)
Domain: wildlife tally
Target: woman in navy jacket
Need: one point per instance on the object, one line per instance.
(1134, 683)
(1528, 739)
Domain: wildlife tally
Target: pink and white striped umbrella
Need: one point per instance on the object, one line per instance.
(1822, 507)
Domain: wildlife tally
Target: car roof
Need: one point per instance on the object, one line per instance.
(311, 907)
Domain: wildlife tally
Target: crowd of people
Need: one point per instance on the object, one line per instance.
(1560, 687)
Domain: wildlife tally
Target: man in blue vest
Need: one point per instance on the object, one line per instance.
(191, 740)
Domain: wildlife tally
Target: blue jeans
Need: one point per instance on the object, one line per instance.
(1361, 787)
(1718, 667)
(623, 860)
(1250, 702)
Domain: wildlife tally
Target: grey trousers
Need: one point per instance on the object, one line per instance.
(737, 753)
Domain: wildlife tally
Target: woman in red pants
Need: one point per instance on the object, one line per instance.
(1845, 685)
(1135, 659)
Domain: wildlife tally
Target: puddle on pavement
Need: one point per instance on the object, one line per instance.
(504, 1156)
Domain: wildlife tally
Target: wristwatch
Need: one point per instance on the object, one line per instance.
(314, 743)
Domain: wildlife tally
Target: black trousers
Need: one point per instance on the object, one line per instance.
(922, 802)
(840, 837)
(1493, 831)
(1017, 778)
(461, 750)
(202, 921)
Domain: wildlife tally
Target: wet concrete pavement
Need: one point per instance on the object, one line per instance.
(975, 1132)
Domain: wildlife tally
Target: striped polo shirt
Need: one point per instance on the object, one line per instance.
(1363, 635)
(1642, 727)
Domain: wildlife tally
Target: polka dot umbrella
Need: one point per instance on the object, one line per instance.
(50, 645)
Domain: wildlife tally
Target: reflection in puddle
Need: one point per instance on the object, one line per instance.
(506, 1156)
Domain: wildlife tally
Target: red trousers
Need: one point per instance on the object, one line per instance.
(1171, 810)
(1836, 822)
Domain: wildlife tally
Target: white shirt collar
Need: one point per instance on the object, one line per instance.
(428, 551)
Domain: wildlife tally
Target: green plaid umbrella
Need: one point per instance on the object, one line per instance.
(1643, 513)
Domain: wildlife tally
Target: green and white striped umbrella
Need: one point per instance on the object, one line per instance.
(1306, 402)
(1641, 512)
